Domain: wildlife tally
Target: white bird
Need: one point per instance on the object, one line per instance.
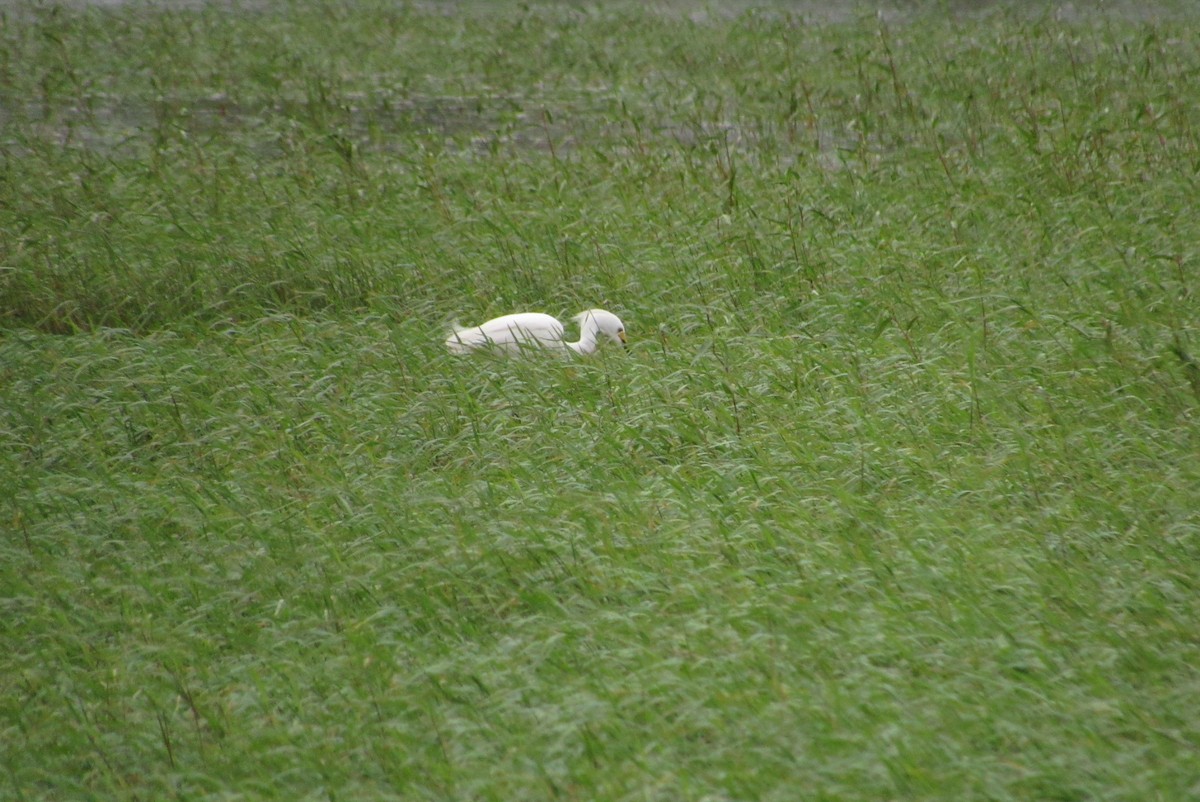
(512, 333)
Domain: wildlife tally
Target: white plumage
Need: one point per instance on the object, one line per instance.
(513, 333)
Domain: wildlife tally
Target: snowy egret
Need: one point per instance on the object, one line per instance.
(511, 333)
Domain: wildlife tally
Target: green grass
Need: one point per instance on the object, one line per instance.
(894, 495)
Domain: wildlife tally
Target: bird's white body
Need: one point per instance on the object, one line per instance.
(525, 330)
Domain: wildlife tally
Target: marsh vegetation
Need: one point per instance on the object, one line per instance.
(892, 496)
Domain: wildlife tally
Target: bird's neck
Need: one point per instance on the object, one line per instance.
(587, 339)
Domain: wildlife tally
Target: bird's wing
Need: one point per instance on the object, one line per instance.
(510, 333)
(466, 339)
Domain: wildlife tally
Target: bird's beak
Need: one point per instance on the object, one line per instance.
(621, 337)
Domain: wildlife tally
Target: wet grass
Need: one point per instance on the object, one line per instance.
(892, 497)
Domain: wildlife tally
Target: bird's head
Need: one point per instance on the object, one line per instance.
(603, 322)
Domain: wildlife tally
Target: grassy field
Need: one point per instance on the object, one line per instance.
(895, 494)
